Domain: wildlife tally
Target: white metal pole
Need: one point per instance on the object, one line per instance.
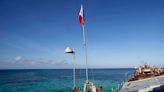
(74, 71)
(85, 48)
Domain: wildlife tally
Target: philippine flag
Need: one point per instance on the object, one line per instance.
(81, 16)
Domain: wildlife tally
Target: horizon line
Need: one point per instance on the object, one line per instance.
(60, 68)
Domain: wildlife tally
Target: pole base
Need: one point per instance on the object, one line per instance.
(75, 89)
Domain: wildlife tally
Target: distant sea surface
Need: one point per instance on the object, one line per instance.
(59, 80)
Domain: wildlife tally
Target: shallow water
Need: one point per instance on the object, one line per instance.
(58, 80)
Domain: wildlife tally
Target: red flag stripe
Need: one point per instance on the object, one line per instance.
(81, 20)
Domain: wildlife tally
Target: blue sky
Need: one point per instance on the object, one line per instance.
(120, 33)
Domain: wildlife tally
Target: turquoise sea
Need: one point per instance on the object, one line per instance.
(58, 80)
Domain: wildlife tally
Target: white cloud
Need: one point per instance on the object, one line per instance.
(27, 63)
(17, 58)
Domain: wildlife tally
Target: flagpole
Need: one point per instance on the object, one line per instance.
(85, 53)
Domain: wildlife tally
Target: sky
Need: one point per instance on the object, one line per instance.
(120, 33)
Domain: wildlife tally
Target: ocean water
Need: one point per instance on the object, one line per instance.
(59, 80)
